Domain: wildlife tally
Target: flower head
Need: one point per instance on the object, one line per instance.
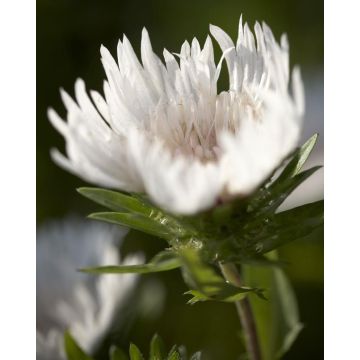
(164, 129)
(67, 300)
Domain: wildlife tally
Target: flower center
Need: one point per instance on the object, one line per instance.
(192, 127)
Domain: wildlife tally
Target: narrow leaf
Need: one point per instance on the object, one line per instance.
(174, 354)
(134, 221)
(206, 283)
(140, 209)
(157, 348)
(196, 356)
(115, 200)
(163, 261)
(287, 226)
(277, 320)
(117, 354)
(287, 302)
(267, 200)
(299, 159)
(73, 350)
(135, 353)
(233, 296)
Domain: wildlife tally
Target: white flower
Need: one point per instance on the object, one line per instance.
(164, 129)
(68, 300)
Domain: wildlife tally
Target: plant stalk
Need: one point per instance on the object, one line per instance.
(232, 275)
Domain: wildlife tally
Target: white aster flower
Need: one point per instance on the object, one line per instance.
(164, 129)
(84, 304)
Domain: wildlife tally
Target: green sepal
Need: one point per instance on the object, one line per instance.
(163, 261)
(269, 197)
(271, 232)
(299, 158)
(267, 200)
(73, 350)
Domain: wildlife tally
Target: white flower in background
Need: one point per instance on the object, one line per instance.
(86, 305)
(164, 129)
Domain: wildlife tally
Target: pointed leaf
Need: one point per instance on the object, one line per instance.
(115, 200)
(269, 199)
(73, 350)
(157, 348)
(277, 320)
(140, 209)
(197, 296)
(233, 296)
(298, 160)
(117, 354)
(206, 283)
(174, 354)
(135, 353)
(164, 261)
(196, 356)
(286, 226)
(134, 221)
(287, 302)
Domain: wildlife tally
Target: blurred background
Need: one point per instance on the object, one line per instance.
(69, 35)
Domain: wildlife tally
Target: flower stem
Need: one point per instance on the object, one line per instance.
(244, 310)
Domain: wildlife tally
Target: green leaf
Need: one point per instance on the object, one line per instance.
(117, 354)
(277, 320)
(157, 352)
(198, 296)
(206, 283)
(164, 261)
(134, 221)
(291, 325)
(174, 354)
(298, 160)
(196, 356)
(267, 200)
(157, 348)
(73, 350)
(115, 200)
(135, 211)
(285, 226)
(135, 353)
(226, 295)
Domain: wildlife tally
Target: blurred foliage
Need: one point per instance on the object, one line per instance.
(157, 351)
(69, 34)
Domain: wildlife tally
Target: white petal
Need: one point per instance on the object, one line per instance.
(71, 301)
(225, 43)
(298, 91)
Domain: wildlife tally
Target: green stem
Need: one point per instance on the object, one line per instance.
(244, 310)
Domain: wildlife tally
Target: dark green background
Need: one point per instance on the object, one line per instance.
(69, 34)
